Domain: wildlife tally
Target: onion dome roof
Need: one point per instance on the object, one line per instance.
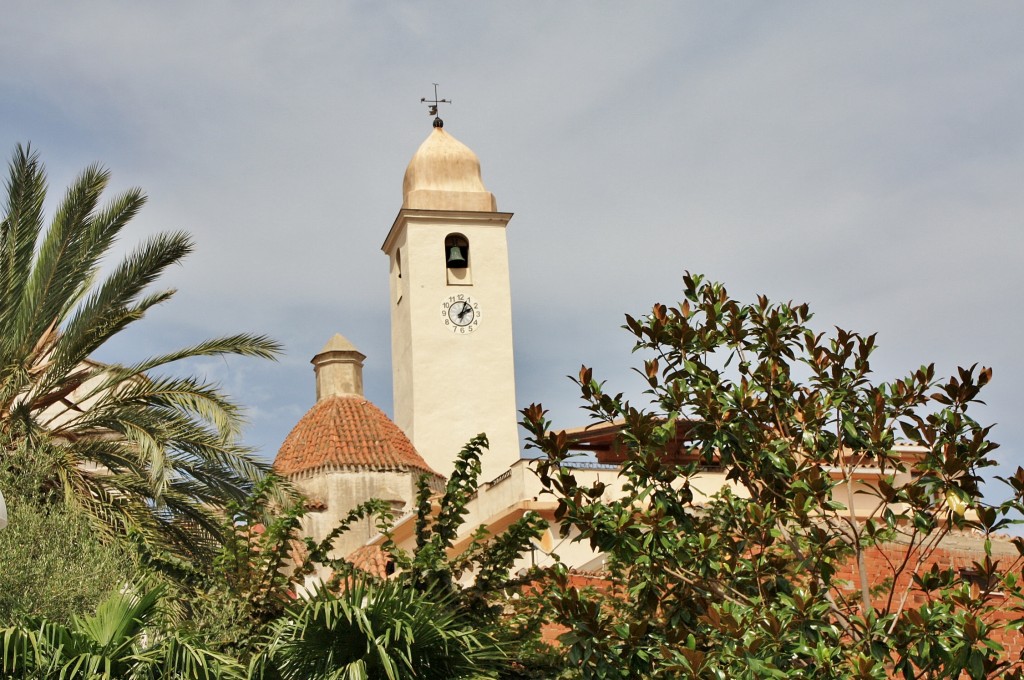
(444, 174)
(347, 432)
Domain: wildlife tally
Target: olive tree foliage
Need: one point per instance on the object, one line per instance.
(748, 581)
(53, 564)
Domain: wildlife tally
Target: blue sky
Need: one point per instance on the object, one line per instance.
(867, 158)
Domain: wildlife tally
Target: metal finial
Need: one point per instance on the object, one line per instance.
(432, 107)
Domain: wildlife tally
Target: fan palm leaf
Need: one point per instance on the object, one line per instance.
(121, 641)
(378, 630)
(156, 453)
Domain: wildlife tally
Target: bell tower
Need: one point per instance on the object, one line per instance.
(451, 310)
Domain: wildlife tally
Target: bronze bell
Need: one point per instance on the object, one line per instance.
(457, 257)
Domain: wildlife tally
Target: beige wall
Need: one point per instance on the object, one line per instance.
(341, 491)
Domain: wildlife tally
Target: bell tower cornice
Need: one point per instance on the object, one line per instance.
(443, 218)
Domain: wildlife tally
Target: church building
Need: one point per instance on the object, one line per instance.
(452, 362)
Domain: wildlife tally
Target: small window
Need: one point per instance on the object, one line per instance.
(398, 285)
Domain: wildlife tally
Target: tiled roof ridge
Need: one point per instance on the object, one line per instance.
(346, 432)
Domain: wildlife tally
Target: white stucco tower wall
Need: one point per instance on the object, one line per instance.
(451, 381)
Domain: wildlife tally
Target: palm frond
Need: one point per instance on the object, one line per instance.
(122, 639)
(150, 456)
(180, 658)
(109, 309)
(20, 652)
(166, 436)
(19, 231)
(119, 620)
(377, 630)
(242, 344)
(61, 271)
(187, 395)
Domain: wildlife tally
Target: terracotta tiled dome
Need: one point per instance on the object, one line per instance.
(347, 432)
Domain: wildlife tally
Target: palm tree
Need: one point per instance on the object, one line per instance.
(377, 630)
(120, 641)
(155, 455)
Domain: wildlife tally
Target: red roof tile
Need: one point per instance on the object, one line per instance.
(347, 431)
(372, 559)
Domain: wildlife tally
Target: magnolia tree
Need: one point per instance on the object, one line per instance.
(768, 577)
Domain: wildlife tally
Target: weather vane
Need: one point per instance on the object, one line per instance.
(432, 107)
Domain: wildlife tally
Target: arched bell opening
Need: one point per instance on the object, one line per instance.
(456, 260)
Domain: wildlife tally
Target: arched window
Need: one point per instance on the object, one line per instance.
(456, 260)
(397, 284)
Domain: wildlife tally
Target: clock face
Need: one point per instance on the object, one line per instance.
(460, 314)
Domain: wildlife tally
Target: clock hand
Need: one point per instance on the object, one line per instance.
(465, 310)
